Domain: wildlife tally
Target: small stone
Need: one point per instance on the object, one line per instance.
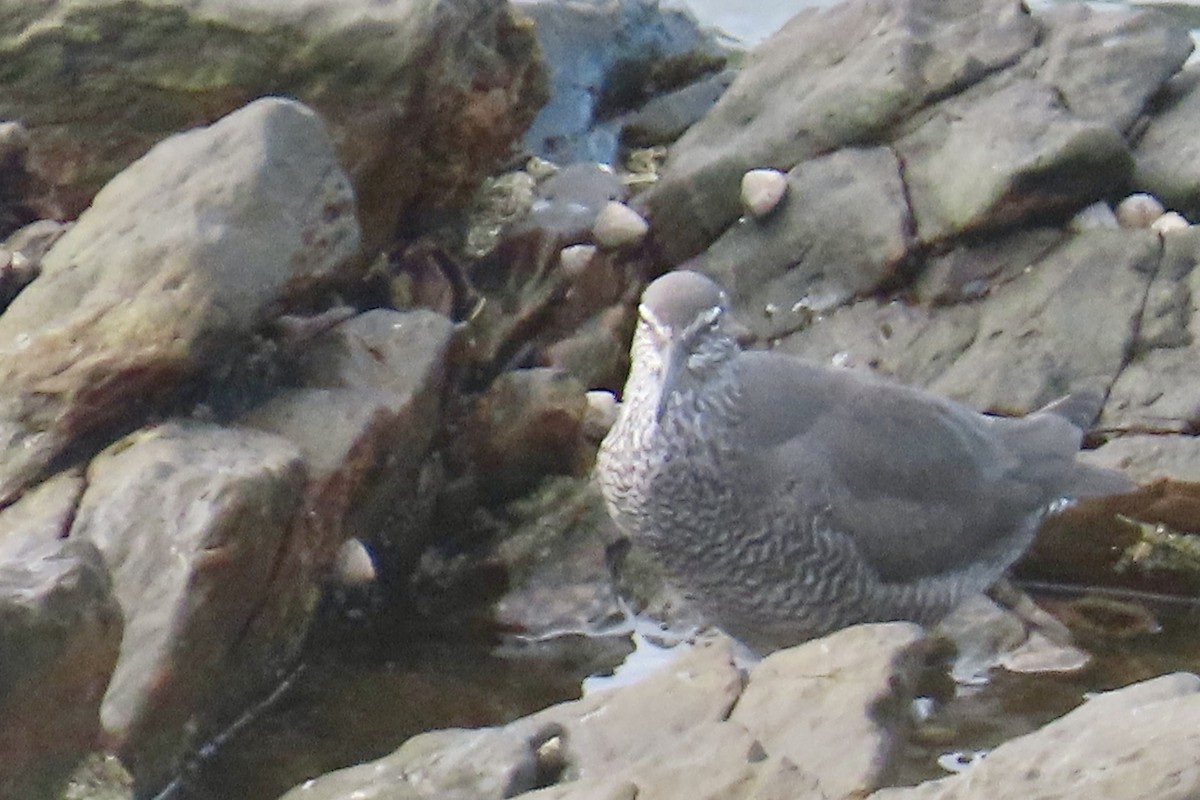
(600, 415)
(762, 189)
(353, 565)
(1095, 217)
(618, 225)
(1169, 223)
(574, 259)
(1139, 210)
(14, 142)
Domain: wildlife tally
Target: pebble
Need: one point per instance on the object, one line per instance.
(1169, 223)
(618, 225)
(600, 415)
(353, 565)
(1096, 216)
(762, 189)
(1139, 210)
(575, 258)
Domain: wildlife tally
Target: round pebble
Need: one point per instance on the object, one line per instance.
(618, 225)
(762, 189)
(1169, 223)
(353, 565)
(1139, 210)
(575, 258)
(1096, 216)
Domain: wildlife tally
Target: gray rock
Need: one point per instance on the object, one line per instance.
(605, 59)
(192, 520)
(989, 162)
(1108, 65)
(664, 118)
(846, 209)
(366, 411)
(60, 628)
(830, 78)
(1065, 321)
(1167, 156)
(1147, 458)
(183, 250)
(811, 722)
(46, 511)
(1129, 744)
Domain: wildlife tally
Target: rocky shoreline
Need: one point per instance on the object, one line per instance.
(312, 297)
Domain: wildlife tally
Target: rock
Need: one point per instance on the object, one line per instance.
(182, 252)
(529, 424)
(100, 777)
(849, 235)
(1132, 743)
(1042, 160)
(423, 96)
(353, 566)
(972, 269)
(1138, 210)
(762, 189)
(830, 78)
(192, 521)
(605, 60)
(618, 225)
(1064, 321)
(60, 628)
(601, 413)
(1166, 154)
(1169, 223)
(809, 722)
(1149, 458)
(665, 117)
(45, 512)
(364, 414)
(1097, 215)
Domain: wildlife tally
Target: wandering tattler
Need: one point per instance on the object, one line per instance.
(789, 499)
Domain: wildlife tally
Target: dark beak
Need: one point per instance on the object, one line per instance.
(676, 357)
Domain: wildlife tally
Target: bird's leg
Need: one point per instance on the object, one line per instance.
(1036, 619)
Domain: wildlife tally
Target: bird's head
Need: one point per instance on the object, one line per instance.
(681, 326)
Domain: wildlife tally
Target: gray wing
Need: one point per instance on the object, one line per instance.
(920, 483)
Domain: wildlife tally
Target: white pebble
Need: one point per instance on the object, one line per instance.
(601, 413)
(762, 189)
(1139, 210)
(1169, 223)
(1097, 215)
(575, 258)
(353, 565)
(618, 225)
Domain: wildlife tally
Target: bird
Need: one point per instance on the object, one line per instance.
(788, 499)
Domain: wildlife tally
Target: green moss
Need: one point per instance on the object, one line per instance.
(1160, 547)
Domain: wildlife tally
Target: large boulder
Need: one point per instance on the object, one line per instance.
(423, 96)
(192, 520)
(187, 250)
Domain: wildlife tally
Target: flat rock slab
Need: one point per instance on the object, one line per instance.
(191, 520)
(60, 629)
(184, 249)
(697, 728)
(1135, 743)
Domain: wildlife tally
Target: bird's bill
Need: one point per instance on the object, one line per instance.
(673, 364)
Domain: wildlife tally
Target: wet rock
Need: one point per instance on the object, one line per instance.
(1063, 322)
(364, 413)
(846, 237)
(182, 252)
(1132, 743)
(618, 225)
(798, 727)
(60, 628)
(192, 520)
(423, 96)
(607, 59)
(1138, 210)
(664, 118)
(528, 424)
